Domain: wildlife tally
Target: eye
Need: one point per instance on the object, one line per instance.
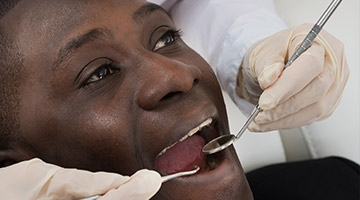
(168, 38)
(100, 73)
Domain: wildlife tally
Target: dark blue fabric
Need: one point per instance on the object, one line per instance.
(331, 178)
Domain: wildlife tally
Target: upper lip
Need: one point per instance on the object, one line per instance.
(184, 125)
(202, 125)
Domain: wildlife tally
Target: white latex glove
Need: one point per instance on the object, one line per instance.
(307, 91)
(35, 179)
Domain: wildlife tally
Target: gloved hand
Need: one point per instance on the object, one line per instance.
(35, 179)
(307, 91)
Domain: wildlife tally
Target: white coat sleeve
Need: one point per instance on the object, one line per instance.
(221, 31)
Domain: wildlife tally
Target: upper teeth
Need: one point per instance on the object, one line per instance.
(189, 134)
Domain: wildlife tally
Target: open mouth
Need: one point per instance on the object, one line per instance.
(184, 154)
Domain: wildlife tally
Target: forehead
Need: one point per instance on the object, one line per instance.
(65, 13)
(35, 22)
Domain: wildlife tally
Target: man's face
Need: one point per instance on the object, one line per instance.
(108, 85)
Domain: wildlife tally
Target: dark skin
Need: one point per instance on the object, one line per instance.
(106, 86)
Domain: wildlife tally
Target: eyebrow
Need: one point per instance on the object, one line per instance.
(138, 16)
(79, 41)
(145, 11)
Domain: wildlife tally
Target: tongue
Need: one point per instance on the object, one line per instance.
(183, 156)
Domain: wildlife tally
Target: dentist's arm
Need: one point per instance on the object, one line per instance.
(35, 179)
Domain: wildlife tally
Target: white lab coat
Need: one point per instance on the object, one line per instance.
(221, 31)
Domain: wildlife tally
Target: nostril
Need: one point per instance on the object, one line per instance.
(170, 95)
(177, 93)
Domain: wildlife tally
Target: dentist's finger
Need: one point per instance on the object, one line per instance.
(141, 186)
(308, 66)
(312, 93)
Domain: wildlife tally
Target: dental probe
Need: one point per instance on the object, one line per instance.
(163, 179)
(224, 141)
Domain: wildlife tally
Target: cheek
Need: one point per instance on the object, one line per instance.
(207, 72)
(105, 134)
(208, 75)
(211, 85)
(93, 135)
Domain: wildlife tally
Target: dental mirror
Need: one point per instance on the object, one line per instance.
(225, 141)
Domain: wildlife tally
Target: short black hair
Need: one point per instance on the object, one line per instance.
(10, 65)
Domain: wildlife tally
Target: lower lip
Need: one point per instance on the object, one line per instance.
(224, 168)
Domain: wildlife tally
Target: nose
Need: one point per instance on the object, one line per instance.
(163, 80)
